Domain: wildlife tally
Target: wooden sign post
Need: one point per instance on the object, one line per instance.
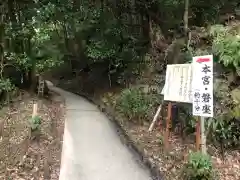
(202, 92)
(203, 136)
(191, 83)
(177, 88)
(198, 134)
(168, 123)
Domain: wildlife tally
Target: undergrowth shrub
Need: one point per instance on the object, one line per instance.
(135, 104)
(224, 131)
(198, 167)
(35, 123)
(226, 44)
(6, 90)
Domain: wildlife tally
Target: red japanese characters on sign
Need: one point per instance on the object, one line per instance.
(202, 86)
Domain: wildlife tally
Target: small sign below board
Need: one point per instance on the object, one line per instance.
(202, 86)
(178, 84)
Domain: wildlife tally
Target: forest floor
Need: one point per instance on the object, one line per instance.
(21, 156)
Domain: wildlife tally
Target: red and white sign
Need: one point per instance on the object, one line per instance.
(202, 86)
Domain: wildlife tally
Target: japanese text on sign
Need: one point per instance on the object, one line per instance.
(203, 86)
(178, 84)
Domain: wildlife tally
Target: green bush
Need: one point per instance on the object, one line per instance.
(7, 90)
(135, 104)
(198, 167)
(224, 131)
(226, 44)
(35, 123)
(6, 85)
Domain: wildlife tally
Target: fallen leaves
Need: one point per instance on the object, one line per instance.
(25, 159)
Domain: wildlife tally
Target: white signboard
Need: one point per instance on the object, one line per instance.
(202, 86)
(178, 83)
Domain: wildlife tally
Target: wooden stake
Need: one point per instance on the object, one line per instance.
(34, 113)
(198, 134)
(203, 137)
(1, 129)
(167, 132)
(155, 118)
(160, 124)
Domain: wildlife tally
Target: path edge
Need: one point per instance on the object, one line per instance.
(126, 138)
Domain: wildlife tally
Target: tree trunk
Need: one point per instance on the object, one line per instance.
(11, 11)
(2, 31)
(185, 18)
(33, 78)
(146, 26)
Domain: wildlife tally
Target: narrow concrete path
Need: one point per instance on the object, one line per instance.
(92, 149)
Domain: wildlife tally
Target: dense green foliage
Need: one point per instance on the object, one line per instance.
(135, 104)
(224, 131)
(198, 167)
(226, 44)
(38, 34)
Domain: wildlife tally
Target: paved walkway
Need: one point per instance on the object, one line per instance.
(92, 149)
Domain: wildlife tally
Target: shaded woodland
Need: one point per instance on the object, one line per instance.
(94, 47)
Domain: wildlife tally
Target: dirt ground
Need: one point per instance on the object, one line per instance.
(21, 156)
(171, 162)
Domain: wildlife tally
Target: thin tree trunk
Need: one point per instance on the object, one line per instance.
(65, 35)
(2, 31)
(33, 78)
(185, 18)
(11, 11)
